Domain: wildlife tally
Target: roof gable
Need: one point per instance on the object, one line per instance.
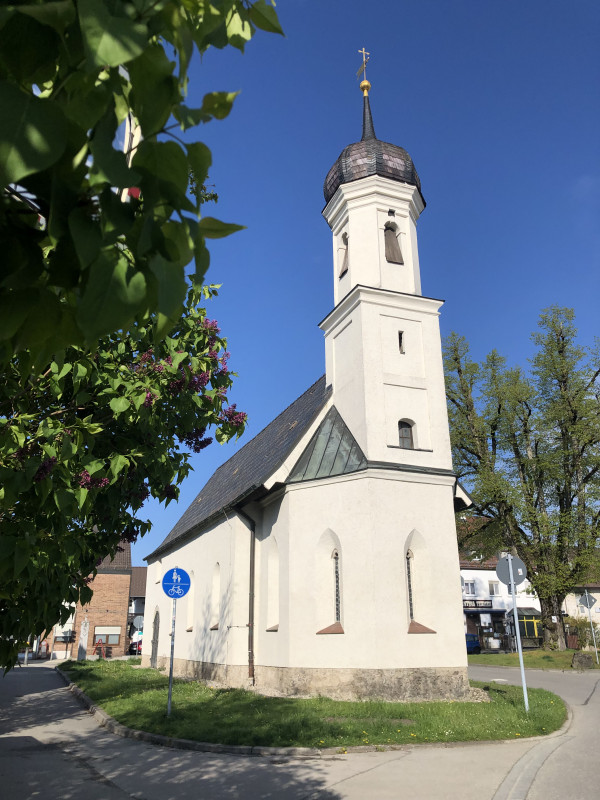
(331, 451)
(251, 466)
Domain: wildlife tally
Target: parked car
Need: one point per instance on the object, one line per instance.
(473, 645)
(135, 648)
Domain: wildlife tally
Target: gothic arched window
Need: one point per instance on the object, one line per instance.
(405, 435)
(393, 254)
(409, 584)
(336, 584)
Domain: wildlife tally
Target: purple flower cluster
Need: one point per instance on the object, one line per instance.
(199, 381)
(130, 534)
(176, 386)
(170, 492)
(150, 398)
(141, 494)
(147, 356)
(233, 417)
(44, 469)
(86, 481)
(211, 325)
(195, 440)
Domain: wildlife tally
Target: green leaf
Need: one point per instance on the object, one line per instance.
(57, 15)
(218, 104)
(109, 40)
(32, 134)
(64, 500)
(239, 30)
(112, 296)
(109, 165)
(172, 289)
(264, 16)
(118, 464)
(66, 368)
(21, 555)
(86, 235)
(81, 496)
(189, 117)
(155, 89)
(212, 228)
(93, 465)
(179, 244)
(42, 320)
(200, 159)
(119, 404)
(14, 307)
(164, 170)
(28, 50)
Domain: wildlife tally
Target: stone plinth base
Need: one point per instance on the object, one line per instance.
(398, 685)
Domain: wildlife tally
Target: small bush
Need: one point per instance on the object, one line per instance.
(581, 627)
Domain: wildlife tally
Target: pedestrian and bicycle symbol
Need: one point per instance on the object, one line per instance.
(176, 583)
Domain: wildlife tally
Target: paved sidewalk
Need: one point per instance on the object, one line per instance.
(51, 748)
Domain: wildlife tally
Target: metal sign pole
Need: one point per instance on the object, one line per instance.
(172, 654)
(176, 584)
(518, 632)
(589, 608)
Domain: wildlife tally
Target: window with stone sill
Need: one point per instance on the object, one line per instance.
(494, 587)
(405, 435)
(469, 588)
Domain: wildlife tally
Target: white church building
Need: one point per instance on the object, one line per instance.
(323, 554)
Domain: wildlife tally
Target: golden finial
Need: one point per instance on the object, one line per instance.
(364, 85)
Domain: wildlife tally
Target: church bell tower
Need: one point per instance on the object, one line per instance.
(383, 349)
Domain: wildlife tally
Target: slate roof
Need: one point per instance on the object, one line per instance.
(137, 587)
(251, 466)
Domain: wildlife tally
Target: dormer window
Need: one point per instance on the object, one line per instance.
(393, 254)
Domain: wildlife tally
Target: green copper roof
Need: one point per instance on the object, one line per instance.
(331, 451)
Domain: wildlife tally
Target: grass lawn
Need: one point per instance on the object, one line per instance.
(138, 698)
(534, 659)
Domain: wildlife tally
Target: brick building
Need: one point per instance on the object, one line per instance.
(104, 618)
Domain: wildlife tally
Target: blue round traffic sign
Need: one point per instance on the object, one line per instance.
(176, 583)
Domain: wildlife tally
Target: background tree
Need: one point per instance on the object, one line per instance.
(528, 447)
(83, 445)
(80, 259)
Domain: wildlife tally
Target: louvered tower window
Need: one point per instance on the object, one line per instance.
(393, 254)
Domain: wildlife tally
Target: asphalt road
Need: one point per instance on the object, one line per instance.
(51, 748)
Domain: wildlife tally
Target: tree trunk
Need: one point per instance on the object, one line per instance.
(554, 630)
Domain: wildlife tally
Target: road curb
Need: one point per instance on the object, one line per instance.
(104, 720)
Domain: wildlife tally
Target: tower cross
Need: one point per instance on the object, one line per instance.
(363, 69)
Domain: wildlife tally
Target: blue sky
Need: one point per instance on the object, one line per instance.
(496, 102)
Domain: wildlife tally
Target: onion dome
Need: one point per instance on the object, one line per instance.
(370, 156)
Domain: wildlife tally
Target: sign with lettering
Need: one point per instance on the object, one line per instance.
(477, 604)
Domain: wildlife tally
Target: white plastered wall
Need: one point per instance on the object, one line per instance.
(227, 544)
(371, 517)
